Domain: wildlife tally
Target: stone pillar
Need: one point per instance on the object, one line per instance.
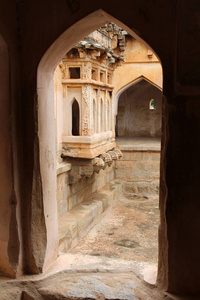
(180, 196)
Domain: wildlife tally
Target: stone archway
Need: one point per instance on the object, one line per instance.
(137, 119)
(128, 85)
(46, 117)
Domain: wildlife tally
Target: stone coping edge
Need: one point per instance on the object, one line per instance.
(63, 167)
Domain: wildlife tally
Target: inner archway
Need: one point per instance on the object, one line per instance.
(135, 116)
(47, 127)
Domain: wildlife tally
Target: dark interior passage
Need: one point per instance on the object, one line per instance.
(75, 118)
(135, 116)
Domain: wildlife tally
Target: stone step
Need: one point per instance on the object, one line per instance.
(75, 224)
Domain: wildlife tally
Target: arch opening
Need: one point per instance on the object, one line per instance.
(47, 127)
(135, 117)
(75, 118)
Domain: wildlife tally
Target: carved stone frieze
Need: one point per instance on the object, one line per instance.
(86, 110)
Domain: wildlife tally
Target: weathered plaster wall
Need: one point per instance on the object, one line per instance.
(59, 114)
(134, 116)
(140, 61)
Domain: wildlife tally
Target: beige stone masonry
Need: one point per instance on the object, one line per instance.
(140, 160)
(75, 224)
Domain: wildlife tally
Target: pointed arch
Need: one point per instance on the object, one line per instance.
(75, 118)
(133, 82)
(46, 122)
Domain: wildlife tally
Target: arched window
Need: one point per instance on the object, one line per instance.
(75, 118)
(152, 104)
(94, 117)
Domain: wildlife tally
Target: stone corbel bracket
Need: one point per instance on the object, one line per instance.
(82, 167)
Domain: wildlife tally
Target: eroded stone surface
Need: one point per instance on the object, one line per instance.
(128, 230)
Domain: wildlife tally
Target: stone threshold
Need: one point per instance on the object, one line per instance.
(74, 224)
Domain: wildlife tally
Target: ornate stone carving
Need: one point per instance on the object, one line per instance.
(119, 153)
(98, 164)
(107, 158)
(85, 71)
(113, 154)
(82, 168)
(85, 110)
(63, 69)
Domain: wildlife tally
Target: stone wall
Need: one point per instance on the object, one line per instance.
(139, 62)
(70, 195)
(140, 169)
(78, 205)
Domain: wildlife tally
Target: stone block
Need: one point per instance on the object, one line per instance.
(146, 156)
(60, 195)
(75, 224)
(72, 201)
(124, 164)
(63, 207)
(60, 181)
(87, 171)
(84, 193)
(77, 186)
(155, 175)
(82, 223)
(79, 161)
(155, 156)
(127, 155)
(105, 201)
(132, 174)
(99, 208)
(153, 166)
(140, 166)
(67, 192)
(66, 175)
(26, 296)
(89, 219)
(154, 186)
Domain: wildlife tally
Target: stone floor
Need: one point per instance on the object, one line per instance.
(127, 230)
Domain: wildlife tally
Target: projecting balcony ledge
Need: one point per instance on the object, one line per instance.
(88, 151)
(95, 138)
